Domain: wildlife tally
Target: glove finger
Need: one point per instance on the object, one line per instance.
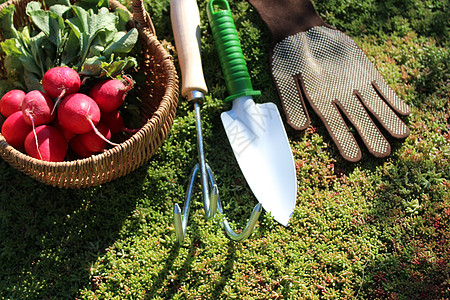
(374, 140)
(284, 71)
(387, 94)
(293, 104)
(336, 126)
(383, 112)
(378, 83)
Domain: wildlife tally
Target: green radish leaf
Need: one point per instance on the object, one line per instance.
(24, 35)
(10, 47)
(95, 50)
(29, 64)
(38, 16)
(123, 42)
(92, 4)
(71, 49)
(5, 86)
(100, 66)
(90, 25)
(6, 22)
(92, 66)
(79, 25)
(50, 3)
(75, 26)
(15, 71)
(103, 38)
(32, 81)
(85, 41)
(124, 17)
(116, 67)
(50, 23)
(104, 20)
(37, 52)
(59, 9)
(80, 22)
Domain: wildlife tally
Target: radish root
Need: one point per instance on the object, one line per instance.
(63, 93)
(99, 134)
(34, 132)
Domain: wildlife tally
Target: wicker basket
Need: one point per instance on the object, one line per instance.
(159, 97)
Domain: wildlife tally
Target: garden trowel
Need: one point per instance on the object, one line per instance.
(255, 131)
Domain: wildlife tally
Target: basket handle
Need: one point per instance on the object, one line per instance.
(142, 16)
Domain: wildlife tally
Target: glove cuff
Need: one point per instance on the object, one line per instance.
(287, 17)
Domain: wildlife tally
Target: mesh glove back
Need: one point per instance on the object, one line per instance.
(311, 61)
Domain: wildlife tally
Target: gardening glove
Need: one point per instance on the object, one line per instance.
(315, 63)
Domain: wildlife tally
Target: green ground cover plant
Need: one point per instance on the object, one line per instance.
(377, 229)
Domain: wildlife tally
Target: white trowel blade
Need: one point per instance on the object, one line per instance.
(260, 145)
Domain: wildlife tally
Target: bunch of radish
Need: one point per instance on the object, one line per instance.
(45, 125)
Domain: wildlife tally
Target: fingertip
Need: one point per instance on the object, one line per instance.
(385, 92)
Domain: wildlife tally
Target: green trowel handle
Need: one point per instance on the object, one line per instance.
(229, 49)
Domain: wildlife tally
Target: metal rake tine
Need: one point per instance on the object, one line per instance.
(180, 230)
(248, 229)
(210, 204)
(181, 220)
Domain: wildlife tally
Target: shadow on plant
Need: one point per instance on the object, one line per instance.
(50, 238)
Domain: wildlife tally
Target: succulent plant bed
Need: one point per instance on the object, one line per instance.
(376, 229)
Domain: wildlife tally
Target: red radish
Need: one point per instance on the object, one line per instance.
(11, 102)
(115, 122)
(93, 142)
(15, 130)
(66, 133)
(59, 82)
(78, 147)
(37, 108)
(79, 113)
(47, 143)
(110, 93)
